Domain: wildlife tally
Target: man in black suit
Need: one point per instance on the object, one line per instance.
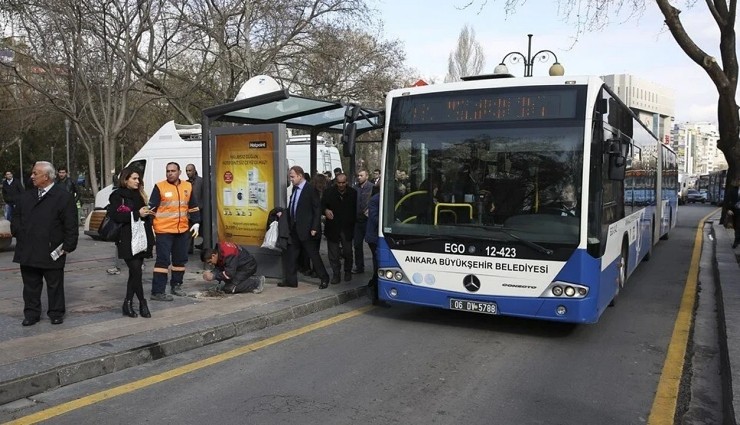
(304, 218)
(44, 220)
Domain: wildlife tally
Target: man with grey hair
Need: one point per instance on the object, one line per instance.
(45, 227)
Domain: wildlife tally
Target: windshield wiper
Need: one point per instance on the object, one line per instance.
(406, 242)
(504, 230)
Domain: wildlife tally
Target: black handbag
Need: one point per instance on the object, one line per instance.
(109, 230)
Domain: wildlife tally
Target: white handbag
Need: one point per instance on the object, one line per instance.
(138, 236)
(271, 237)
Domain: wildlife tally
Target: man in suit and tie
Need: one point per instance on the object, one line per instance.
(44, 219)
(304, 218)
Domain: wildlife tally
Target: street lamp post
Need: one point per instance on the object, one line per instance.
(102, 176)
(66, 127)
(556, 69)
(21, 171)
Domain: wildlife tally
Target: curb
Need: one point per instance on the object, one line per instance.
(728, 303)
(112, 356)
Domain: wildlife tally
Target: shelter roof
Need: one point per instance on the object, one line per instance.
(295, 111)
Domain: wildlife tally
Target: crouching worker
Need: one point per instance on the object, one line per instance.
(234, 267)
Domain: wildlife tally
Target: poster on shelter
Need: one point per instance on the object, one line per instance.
(243, 175)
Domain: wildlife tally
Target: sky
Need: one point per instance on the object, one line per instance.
(641, 46)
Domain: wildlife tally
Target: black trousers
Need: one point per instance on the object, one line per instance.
(372, 289)
(244, 281)
(134, 285)
(33, 284)
(341, 249)
(359, 241)
(291, 259)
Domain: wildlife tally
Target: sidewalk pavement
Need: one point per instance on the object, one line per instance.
(727, 273)
(96, 339)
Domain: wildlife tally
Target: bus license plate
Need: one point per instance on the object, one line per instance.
(474, 306)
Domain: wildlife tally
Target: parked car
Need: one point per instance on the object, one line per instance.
(693, 195)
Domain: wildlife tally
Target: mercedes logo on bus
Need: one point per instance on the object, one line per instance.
(471, 283)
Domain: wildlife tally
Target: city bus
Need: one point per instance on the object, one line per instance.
(534, 197)
(716, 187)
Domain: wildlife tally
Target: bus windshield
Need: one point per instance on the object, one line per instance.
(475, 179)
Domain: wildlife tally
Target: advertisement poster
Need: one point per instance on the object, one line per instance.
(243, 175)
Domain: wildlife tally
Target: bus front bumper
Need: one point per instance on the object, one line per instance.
(559, 309)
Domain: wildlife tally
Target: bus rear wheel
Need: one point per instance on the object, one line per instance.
(668, 232)
(649, 252)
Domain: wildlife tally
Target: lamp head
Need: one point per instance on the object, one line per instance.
(557, 70)
(501, 69)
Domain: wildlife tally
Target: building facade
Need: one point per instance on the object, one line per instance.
(653, 103)
(696, 145)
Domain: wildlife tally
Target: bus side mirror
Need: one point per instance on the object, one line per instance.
(617, 151)
(617, 166)
(348, 139)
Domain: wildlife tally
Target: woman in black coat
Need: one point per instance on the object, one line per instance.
(130, 198)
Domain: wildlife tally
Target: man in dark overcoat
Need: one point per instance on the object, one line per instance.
(339, 205)
(44, 221)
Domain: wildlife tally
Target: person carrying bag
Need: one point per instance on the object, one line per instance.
(127, 207)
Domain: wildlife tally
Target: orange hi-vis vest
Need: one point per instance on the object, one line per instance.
(172, 212)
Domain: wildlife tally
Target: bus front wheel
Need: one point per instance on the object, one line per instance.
(621, 273)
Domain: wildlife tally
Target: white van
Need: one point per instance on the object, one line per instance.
(182, 144)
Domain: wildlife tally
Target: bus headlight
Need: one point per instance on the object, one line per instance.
(393, 273)
(559, 288)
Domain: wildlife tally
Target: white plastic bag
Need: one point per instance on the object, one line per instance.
(271, 237)
(138, 236)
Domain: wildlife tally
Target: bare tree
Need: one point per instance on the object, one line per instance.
(595, 14)
(467, 58)
(80, 56)
(208, 49)
(351, 65)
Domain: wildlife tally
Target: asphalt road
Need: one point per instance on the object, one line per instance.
(417, 366)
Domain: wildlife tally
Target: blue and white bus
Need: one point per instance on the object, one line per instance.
(534, 197)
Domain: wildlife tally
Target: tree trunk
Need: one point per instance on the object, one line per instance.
(728, 119)
(92, 167)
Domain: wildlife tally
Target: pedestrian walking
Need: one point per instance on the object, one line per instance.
(339, 205)
(234, 268)
(176, 219)
(197, 182)
(371, 237)
(364, 189)
(12, 191)
(127, 201)
(732, 203)
(45, 227)
(304, 218)
(376, 177)
(64, 181)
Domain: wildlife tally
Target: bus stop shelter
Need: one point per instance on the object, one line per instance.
(314, 116)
